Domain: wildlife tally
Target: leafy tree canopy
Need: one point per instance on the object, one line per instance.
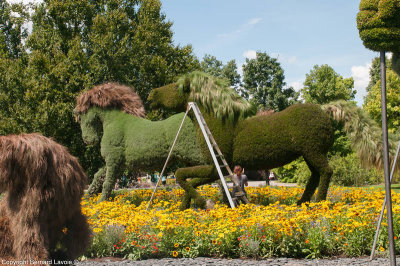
(211, 65)
(324, 85)
(372, 103)
(263, 83)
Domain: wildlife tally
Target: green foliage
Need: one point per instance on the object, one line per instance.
(104, 242)
(263, 82)
(378, 23)
(294, 172)
(211, 65)
(12, 31)
(347, 172)
(372, 103)
(324, 85)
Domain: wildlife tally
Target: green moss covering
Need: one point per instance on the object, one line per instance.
(378, 23)
(198, 175)
(129, 142)
(174, 100)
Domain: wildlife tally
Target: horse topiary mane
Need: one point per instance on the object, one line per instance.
(111, 95)
(214, 94)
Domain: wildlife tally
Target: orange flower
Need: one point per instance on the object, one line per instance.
(307, 241)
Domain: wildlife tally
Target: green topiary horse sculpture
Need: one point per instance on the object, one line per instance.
(258, 142)
(113, 115)
(266, 141)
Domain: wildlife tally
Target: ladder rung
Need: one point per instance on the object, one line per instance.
(219, 155)
(223, 165)
(227, 176)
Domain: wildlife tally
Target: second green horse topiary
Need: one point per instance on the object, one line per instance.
(259, 142)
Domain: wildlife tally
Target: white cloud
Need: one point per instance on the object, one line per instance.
(284, 58)
(360, 75)
(254, 21)
(297, 85)
(250, 54)
(245, 27)
(292, 59)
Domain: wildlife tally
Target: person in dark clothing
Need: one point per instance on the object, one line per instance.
(242, 178)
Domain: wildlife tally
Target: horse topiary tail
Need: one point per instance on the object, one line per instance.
(364, 133)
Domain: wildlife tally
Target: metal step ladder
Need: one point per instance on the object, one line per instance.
(219, 161)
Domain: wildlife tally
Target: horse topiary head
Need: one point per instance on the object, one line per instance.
(378, 23)
(213, 94)
(108, 95)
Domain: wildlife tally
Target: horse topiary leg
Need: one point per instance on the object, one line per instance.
(114, 170)
(311, 185)
(201, 175)
(326, 174)
(97, 183)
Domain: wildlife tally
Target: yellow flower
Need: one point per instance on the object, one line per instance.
(187, 249)
(176, 245)
(381, 249)
(65, 230)
(175, 253)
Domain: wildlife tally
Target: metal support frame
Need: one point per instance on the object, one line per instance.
(386, 160)
(378, 227)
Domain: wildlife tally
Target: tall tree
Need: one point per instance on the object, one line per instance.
(372, 103)
(263, 83)
(12, 32)
(375, 71)
(324, 85)
(211, 65)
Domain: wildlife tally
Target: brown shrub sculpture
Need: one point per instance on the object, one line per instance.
(40, 212)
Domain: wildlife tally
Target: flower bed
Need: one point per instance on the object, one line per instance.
(273, 225)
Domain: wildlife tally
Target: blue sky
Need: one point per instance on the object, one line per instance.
(300, 33)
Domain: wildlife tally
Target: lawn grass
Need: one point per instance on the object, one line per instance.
(394, 187)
